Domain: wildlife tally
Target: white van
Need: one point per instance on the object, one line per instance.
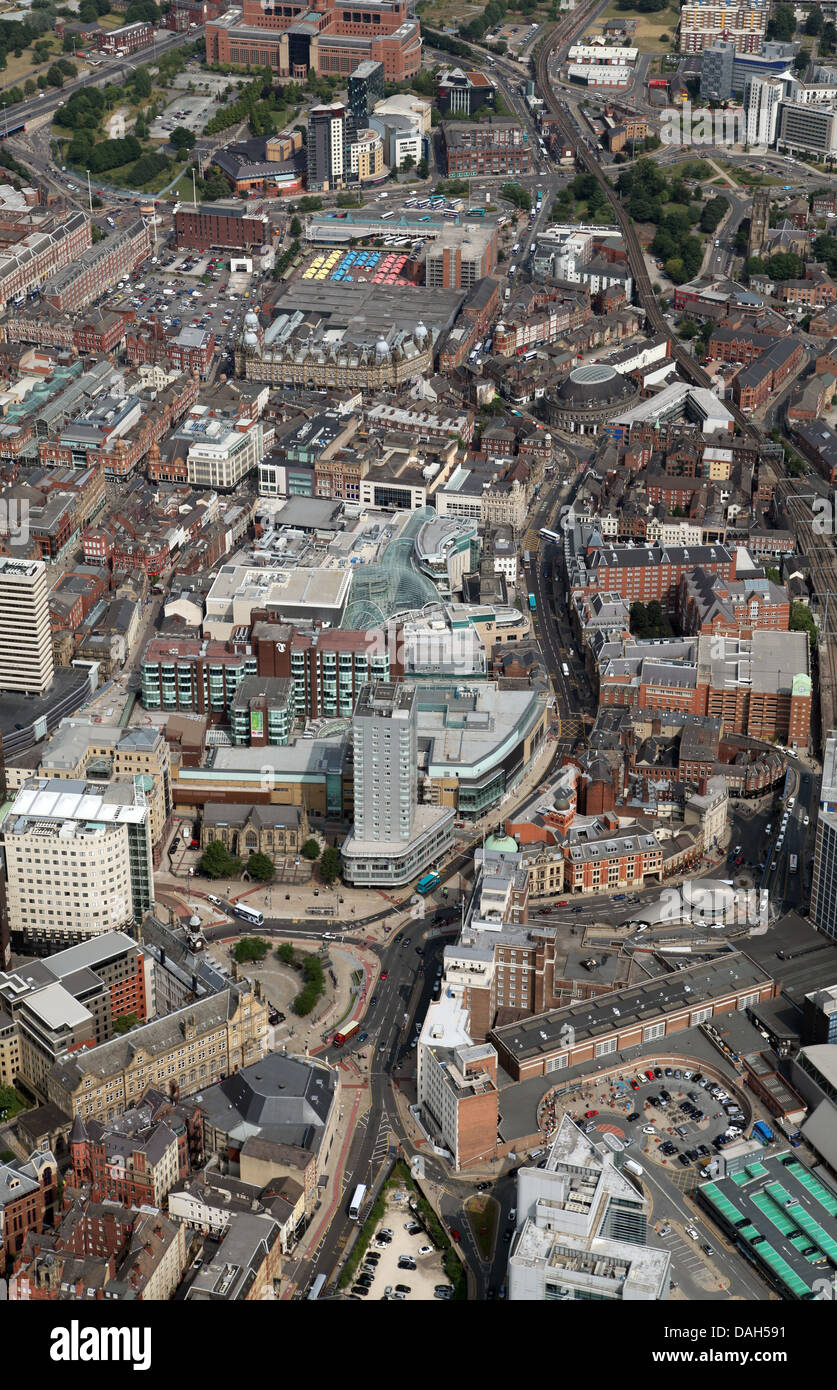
(633, 1167)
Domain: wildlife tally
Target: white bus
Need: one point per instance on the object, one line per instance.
(385, 215)
(249, 914)
(794, 863)
(357, 1201)
(317, 1286)
(565, 670)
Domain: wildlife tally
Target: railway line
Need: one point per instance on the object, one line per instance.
(561, 35)
(818, 547)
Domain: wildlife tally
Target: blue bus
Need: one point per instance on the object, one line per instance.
(533, 603)
(317, 1286)
(428, 883)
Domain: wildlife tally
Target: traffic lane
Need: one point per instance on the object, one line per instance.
(732, 1267)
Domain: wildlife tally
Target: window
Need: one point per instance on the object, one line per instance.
(654, 1030)
(603, 1048)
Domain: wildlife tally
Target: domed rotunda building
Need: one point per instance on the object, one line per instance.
(589, 397)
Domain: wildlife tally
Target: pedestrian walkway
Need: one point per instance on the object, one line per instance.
(307, 1248)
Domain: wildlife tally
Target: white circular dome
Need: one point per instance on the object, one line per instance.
(250, 339)
(382, 348)
(251, 319)
(420, 332)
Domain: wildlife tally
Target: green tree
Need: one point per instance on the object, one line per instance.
(422, 169)
(286, 953)
(295, 228)
(125, 1023)
(329, 865)
(783, 24)
(55, 76)
(802, 621)
(68, 43)
(141, 83)
(785, 266)
(182, 139)
(249, 948)
(29, 87)
(8, 1098)
(407, 162)
(814, 22)
(260, 866)
(311, 849)
(69, 69)
(217, 862)
(773, 574)
(688, 329)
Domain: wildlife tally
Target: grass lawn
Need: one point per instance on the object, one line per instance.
(579, 212)
(182, 190)
(11, 1103)
(692, 169)
(649, 27)
(18, 69)
(750, 178)
(440, 13)
(483, 1213)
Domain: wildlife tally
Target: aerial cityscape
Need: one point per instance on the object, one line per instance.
(418, 656)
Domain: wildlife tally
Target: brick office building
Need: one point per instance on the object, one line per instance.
(191, 351)
(495, 146)
(26, 1191)
(737, 609)
(137, 1158)
(127, 39)
(208, 226)
(759, 686)
(321, 37)
(98, 268)
(642, 574)
(652, 1011)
